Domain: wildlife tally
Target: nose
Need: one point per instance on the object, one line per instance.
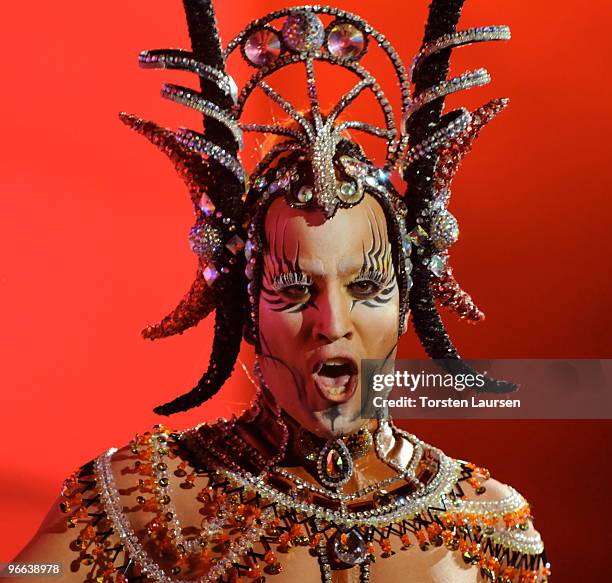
(332, 318)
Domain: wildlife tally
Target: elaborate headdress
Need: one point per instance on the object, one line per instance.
(317, 165)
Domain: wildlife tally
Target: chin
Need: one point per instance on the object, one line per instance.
(340, 419)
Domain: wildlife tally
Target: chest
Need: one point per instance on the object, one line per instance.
(437, 565)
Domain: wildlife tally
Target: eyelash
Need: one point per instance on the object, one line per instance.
(286, 280)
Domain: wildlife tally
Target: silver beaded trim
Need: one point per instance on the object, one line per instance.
(194, 100)
(198, 143)
(467, 80)
(516, 540)
(345, 16)
(436, 140)
(184, 60)
(272, 129)
(512, 503)
(114, 510)
(461, 38)
(435, 494)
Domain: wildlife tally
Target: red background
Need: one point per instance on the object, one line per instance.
(94, 245)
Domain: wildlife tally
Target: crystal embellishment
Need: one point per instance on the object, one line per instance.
(348, 547)
(348, 192)
(210, 274)
(303, 31)
(206, 241)
(353, 167)
(235, 244)
(345, 40)
(418, 235)
(334, 464)
(444, 230)
(262, 47)
(304, 194)
(437, 265)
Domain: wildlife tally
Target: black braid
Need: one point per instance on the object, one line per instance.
(229, 320)
(429, 327)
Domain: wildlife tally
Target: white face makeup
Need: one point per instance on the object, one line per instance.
(329, 298)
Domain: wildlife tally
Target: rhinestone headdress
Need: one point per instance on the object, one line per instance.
(425, 149)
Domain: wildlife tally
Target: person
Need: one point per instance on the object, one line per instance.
(320, 266)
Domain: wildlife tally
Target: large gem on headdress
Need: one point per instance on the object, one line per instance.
(349, 192)
(444, 230)
(262, 47)
(304, 194)
(206, 241)
(437, 265)
(345, 40)
(348, 547)
(334, 464)
(303, 31)
(210, 274)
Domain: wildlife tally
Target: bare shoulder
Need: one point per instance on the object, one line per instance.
(504, 520)
(76, 532)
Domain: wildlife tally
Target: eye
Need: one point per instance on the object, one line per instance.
(296, 291)
(293, 286)
(364, 288)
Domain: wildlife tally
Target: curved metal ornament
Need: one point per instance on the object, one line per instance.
(334, 464)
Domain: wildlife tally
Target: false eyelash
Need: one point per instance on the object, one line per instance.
(372, 274)
(291, 278)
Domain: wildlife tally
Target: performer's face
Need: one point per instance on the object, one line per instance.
(329, 298)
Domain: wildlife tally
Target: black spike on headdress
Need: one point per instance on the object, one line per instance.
(229, 315)
(229, 320)
(206, 48)
(429, 72)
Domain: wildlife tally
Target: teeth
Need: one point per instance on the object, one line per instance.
(335, 361)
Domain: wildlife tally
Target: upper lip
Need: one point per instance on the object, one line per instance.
(324, 355)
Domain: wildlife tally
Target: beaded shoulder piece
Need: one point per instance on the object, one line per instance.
(239, 526)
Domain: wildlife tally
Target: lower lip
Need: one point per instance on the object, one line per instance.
(330, 394)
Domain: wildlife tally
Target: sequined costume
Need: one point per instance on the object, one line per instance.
(238, 500)
(161, 509)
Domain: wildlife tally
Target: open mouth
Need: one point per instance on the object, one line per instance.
(336, 378)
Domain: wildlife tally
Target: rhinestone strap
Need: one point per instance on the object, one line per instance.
(114, 510)
(465, 81)
(198, 143)
(339, 495)
(435, 494)
(437, 140)
(185, 61)
(461, 38)
(273, 129)
(245, 543)
(193, 99)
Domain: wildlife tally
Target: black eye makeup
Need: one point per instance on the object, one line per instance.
(298, 286)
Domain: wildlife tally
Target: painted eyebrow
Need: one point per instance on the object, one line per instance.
(280, 262)
(378, 256)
